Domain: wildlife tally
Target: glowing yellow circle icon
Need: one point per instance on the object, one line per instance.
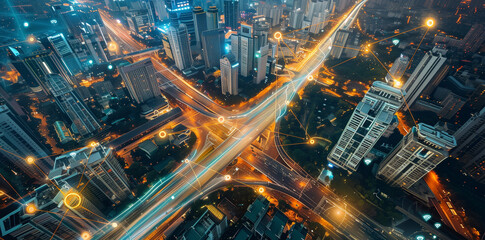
(30, 160)
(115, 225)
(31, 209)
(186, 160)
(162, 134)
(72, 200)
(93, 144)
(261, 190)
(312, 141)
(278, 35)
(227, 177)
(429, 22)
(31, 39)
(112, 46)
(85, 235)
(221, 119)
(310, 78)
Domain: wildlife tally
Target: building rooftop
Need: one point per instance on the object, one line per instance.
(431, 136)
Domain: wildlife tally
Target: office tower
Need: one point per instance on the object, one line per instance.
(140, 80)
(180, 46)
(200, 20)
(296, 19)
(166, 42)
(180, 12)
(99, 164)
(84, 121)
(271, 12)
(229, 74)
(65, 53)
(261, 61)
(52, 218)
(160, 9)
(474, 38)
(368, 122)
(212, 18)
(231, 14)
(139, 22)
(419, 152)
(18, 141)
(260, 34)
(242, 46)
(213, 47)
(35, 67)
(339, 43)
(427, 75)
(470, 148)
(318, 22)
(398, 68)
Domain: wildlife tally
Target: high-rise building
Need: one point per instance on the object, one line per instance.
(419, 152)
(427, 75)
(339, 43)
(17, 142)
(99, 164)
(296, 19)
(139, 22)
(271, 12)
(261, 62)
(180, 12)
(213, 47)
(49, 213)
(470, 148)
(34, 69)
(200, 20)
(368, 122)
(84, 121)
(64, 52)
(140, 80)
(180, 46)
(242, 46)
(397, 69)
(474, 38)
(229, 74)
(318, 22)
(231, 14)
(212, 18)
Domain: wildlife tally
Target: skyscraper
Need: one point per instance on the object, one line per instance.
(470, 148)
(139, 21)
(397, 69)
(368, 122)
(212, 18)
(84, 121)
(242, 46)
(231, 14)
(180, 12)
(213, 47)
(99, 164)
(17, 142)
(474, 38)
(261, 61)
(427, 75)
(200, 20)
(419, 152)
(140, 80)
(34, 69)
(45, 220)
(339, 43)
(229, 74)
(64, 52)
(180, 46)
(296, 18)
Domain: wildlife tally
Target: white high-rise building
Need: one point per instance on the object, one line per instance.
(229, 74)
(261, 61)
(180, 46)
(397, 69)
(64, 52)
(427, 74)
(368, 122)
(296, 19)
(419, 152)
(98, 164)
(17, 142)
(71, 104)
(140, 80)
